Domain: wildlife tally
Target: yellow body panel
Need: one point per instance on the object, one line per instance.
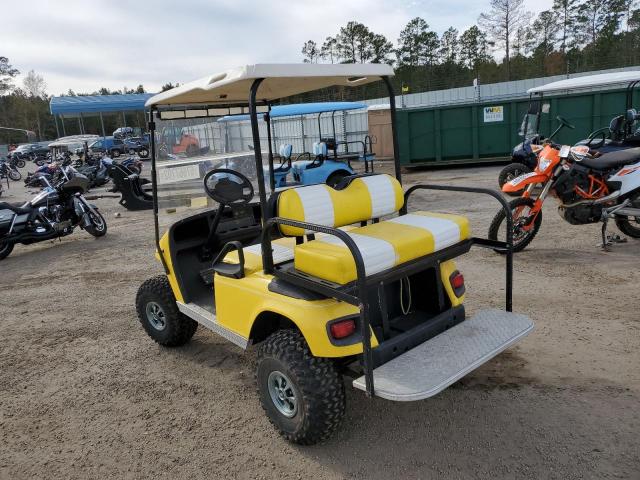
(240, 302)
(446, 269)
(175, 286)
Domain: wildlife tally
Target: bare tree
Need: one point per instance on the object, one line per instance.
(310, 52)
(34, 84)
(329, 49)
(502, 22)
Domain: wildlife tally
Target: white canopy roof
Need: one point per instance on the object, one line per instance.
(587, 81)
(281, 80)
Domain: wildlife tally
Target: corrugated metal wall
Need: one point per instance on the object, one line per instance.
(302, 132)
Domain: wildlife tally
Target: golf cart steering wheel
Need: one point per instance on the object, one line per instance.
(228, 187)
(602, 135)
(565, 122)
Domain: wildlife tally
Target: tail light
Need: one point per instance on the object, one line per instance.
(457, 283)
(342, 328)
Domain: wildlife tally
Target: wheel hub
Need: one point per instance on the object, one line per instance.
(156, 316)
(282, 394)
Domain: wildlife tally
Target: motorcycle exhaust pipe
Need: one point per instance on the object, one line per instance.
(628, 212)
(597, 201)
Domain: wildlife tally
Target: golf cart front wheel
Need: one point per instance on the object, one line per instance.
(159, 314)
(302, 395)
(143, 153)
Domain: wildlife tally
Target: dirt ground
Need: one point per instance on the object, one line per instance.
(85, 394)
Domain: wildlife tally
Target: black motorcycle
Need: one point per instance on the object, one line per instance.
(7, 170)
(54, 212)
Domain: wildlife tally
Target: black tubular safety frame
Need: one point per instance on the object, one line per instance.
(154, 189)
(482, 242)
(360, 300)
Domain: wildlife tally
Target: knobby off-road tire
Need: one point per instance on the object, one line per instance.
(5, 249)
(173, 328)
(511, 171)
(630, 225)
(518, 245)
(98, 226)
(314, 382)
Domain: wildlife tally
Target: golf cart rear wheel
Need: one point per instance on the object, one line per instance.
(511, 171)
(115, 153)
(5, 249)
(159, 315)
(302, 395)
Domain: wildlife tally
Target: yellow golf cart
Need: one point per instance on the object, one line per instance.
(325, 281)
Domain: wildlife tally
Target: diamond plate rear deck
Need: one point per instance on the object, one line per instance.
(432, 366)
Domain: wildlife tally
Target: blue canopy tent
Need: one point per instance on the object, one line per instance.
(75, 106)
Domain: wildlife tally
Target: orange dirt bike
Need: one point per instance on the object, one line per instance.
(590, 187)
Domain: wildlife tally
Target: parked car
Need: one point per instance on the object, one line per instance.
(28, 150)
(138, 145)
(110, 145)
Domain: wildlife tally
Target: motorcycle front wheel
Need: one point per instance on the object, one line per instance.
(522, 235)
(5, 249)
(20, 163)
(14, 175)
(98, 227)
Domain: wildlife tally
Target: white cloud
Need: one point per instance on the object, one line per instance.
(84, 45)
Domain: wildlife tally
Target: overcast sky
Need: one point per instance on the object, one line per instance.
(88, 44)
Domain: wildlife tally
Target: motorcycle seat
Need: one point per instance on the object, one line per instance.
(14, 207)
(613, 159)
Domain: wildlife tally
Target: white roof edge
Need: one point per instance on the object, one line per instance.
(587, 81)
(379, 106)
(232, 86)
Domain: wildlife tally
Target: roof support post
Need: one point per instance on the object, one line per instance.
(267, 255)
(394, 133)
(272, 182)
(124, 120)
(55, 120)
(102, 124)
(64, 132)
(154, 184)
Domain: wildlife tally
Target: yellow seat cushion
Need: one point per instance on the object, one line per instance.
(383, 245)
(364, 198)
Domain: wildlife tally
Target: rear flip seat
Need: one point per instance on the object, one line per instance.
(383, 245)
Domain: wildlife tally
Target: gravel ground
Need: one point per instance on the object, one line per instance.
(85, 394)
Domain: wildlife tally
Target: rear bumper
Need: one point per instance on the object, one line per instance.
(432, 366)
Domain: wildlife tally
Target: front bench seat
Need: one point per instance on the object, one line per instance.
(383, 245)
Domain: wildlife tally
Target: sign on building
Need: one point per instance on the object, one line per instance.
(494, 114)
